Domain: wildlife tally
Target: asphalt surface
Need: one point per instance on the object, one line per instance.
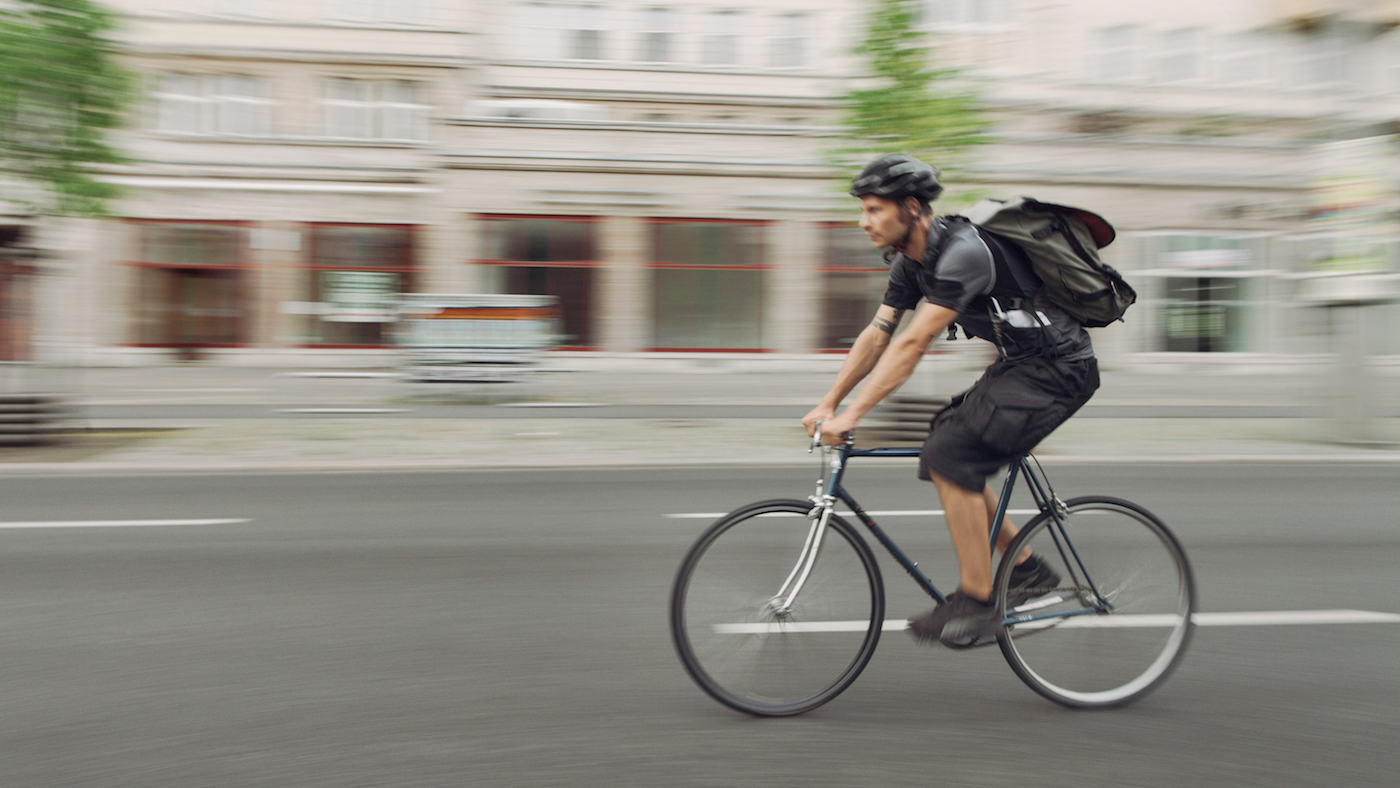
(508, 628)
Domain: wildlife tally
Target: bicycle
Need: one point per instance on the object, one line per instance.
(779, 605)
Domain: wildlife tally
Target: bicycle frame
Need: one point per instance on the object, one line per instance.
(830, 490)
(784, 653)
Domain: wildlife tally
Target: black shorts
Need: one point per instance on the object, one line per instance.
(1004, 415)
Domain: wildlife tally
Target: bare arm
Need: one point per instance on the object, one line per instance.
(892, 368)
(860, 360)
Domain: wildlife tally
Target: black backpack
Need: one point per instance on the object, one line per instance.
(1062, 243)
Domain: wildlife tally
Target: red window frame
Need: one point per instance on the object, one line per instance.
(662, 265)
(592, 263)
(408, 270)
(133, 247)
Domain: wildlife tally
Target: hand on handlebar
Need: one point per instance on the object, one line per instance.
(837, 430)
(813, 421)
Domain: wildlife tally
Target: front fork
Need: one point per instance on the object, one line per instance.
(820, 515)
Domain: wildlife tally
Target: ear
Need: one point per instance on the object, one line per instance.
(912, 206)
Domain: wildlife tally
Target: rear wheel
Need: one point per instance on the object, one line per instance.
(1118, 622)
(744, 637)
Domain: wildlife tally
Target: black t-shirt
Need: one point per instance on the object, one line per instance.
(970, 279)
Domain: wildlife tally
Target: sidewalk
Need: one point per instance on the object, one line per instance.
(388, 435)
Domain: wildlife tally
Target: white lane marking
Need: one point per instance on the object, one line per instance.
(120, 523)
(1242, 619)
(550, 405)
(842, 512)
(795, 627)
(1286, 617)
(344, 410)
(199, 390)
(338, 375)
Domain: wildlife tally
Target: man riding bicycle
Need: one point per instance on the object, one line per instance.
(1046, 371)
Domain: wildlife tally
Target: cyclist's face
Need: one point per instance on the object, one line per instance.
(883, 221)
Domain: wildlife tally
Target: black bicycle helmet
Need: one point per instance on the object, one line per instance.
(896, 176)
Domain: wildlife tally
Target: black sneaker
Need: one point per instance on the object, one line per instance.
(1029, 580)
(961, 622)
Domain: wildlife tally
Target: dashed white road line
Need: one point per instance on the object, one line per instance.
(1269, 618)
(550, 405)
(121, 523)
(1262, 618)
(344, 410)
(842, 512)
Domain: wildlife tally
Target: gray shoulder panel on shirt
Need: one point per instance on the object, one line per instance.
(966, 259)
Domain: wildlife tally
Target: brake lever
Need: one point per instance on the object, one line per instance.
(849, 438)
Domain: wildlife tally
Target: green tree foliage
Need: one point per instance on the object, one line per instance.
(904, 103)
(61, 90)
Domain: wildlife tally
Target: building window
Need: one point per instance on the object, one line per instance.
(1201, 284)
(708, 285)
(1115, 54)
(1180, 56)
(18, 275)
(255, 9)
(583, 32)
(224, 105)
(790, 44)
(403, 11)
(570, 31)
(190, 284)
(1388, 47)
(720, 44)
(657, 43)
(355, 273)
(1324, 62)
(853, 275)
(375, 109)
(1243, 60)
(1202, 314)
(555, 256)
(961, 13)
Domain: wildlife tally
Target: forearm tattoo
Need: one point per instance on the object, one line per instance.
(888, 326)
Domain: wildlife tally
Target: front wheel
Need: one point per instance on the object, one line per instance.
(1119, 619)
(762, 629)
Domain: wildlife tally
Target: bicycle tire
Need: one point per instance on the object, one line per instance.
(1109, 658)
(727, 627)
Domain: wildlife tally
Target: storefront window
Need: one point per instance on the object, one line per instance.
(853, 276)
(17, 277)
(1202, 315)
(554, 256)
(356, 273)
(708, 285)
(1203, 284)
(191, 286)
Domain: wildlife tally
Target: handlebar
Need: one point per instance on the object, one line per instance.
(850, 438)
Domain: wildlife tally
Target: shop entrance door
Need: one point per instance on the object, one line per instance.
(191, 307)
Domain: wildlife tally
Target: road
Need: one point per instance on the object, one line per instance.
(503, 628)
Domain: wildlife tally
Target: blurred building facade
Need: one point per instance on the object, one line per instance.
(663, 168)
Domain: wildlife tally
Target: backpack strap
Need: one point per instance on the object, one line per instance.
(1028, 283)
(1026, 280)
(933, 253)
